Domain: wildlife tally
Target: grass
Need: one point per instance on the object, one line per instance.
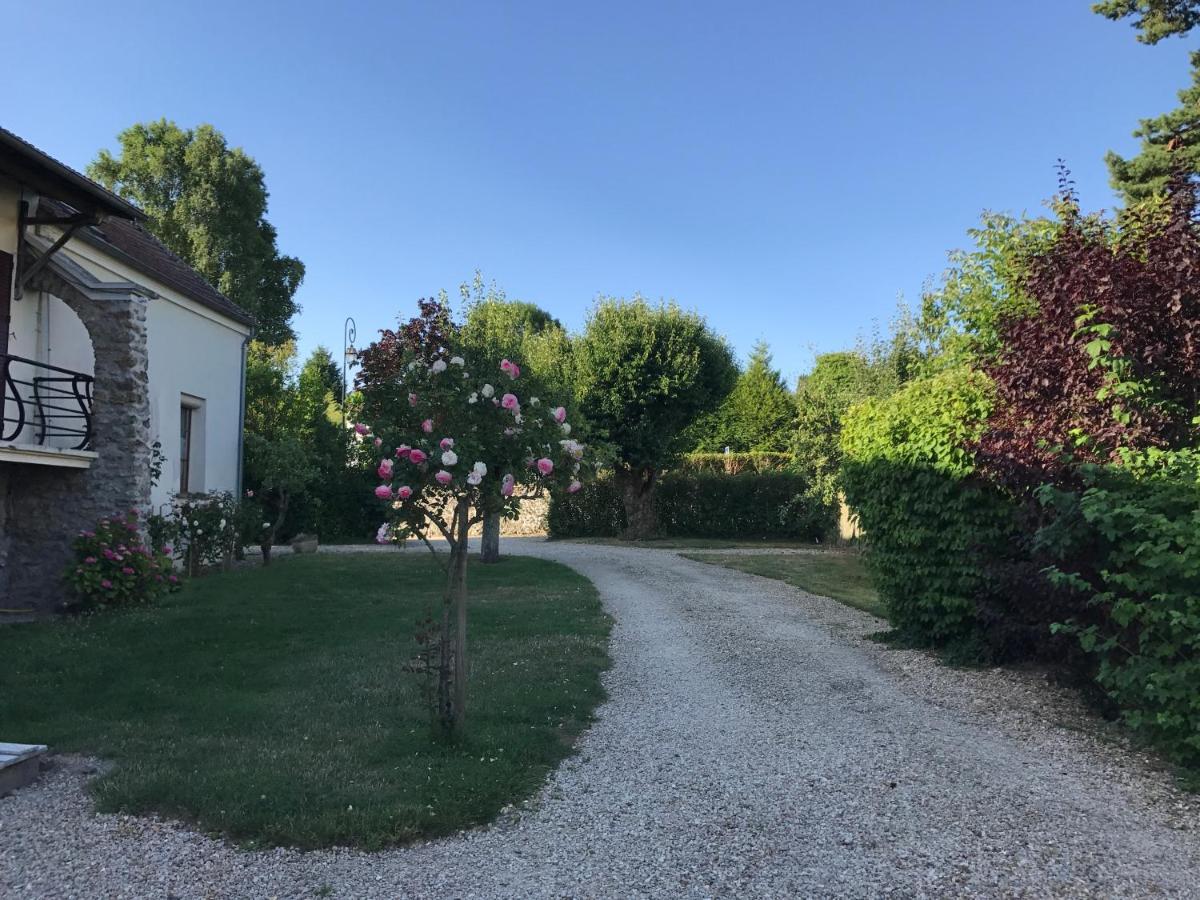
(270, 705)
(829, 573)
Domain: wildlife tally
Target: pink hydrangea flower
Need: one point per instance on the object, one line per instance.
(427, 426)
(385, 469)
(443, 477)
(404, 492)
(509, 401)
(446, 443)
(416, 456)
(507, 483)
(384, 492)
(574, 486)
(560, 414)
(545, 466)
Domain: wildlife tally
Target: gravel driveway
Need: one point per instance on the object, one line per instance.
(755, 744)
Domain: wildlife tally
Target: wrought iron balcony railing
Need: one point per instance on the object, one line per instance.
(45, 405)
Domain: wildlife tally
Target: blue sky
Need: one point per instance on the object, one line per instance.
(788, 169)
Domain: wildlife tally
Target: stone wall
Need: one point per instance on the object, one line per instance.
(45, 507)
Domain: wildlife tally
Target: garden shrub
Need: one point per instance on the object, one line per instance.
(734, 463)
(702, 504)
(594, 511)
(114, 567)
(1131, 546)
(907, 474)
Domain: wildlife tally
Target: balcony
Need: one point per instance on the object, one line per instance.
(45, 414)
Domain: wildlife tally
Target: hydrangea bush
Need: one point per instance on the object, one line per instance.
(453, 445)
(114, 567)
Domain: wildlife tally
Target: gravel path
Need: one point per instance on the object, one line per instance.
(755, 744)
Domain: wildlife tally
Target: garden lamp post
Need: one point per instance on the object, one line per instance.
(349, 357)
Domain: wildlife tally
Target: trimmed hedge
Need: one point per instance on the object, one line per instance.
(929, 525)
(735, 463)
(768, 505)
(1129, 542)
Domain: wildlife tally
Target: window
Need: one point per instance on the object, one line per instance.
(185, 447)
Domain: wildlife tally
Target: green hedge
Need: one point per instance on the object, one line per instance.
(1130, 548)
(735, 463)
(929, 525)
(769, 505)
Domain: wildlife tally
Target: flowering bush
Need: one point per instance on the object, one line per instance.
(114, 567)
(204, 530)
(455, 444)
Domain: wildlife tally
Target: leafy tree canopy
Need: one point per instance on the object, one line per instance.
(207, 202)
(756, 416)
(1169, 142)
(645, 373)
(1153, 19)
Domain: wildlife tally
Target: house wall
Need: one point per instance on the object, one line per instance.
(10, 199)
(195, 355)
(200, 361)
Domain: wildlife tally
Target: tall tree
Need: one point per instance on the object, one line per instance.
(1154, 19)
(1170, 142)
(495, 329)
(208, 202)
(757, 415)
(644, 374)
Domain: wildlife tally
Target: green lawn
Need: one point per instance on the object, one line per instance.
(830, 573)
(270, 704)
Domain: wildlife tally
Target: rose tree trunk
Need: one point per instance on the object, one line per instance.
(452, 669)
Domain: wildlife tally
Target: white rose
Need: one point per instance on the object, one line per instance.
(488, 390)
(480, 468)
(439, 365)
(566, 427)
(449, 458)
(474, 398)
(266, 524)
(457, 361)
(533, 401)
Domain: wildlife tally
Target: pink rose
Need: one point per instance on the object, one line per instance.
(412, 399)
(402, 451)
(506, 486)
(545, 466)
(91, 560)
(510, 368)
(126, 570)
(362, 429)
(416, 456)
(509, 401)
(560, 414)
(378, 442)
(385, 469)
(405, 492)
(443, 477)
(427, 426)
(106, 584)
(384, 492)
(446, 443)
(573, 486)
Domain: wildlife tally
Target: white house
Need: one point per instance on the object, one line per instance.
(112, 344)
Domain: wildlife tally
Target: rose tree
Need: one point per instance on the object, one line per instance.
(460, 444)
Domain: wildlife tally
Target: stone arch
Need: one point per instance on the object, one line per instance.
(45, 507)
